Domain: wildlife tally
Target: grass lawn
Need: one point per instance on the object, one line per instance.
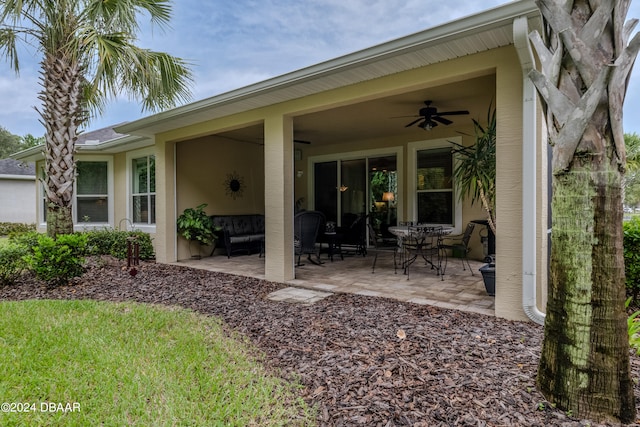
(131, 364)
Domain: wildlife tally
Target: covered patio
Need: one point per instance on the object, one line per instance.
(459, 290)
(359, 136)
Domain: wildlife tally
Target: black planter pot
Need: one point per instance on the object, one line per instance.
(489, 276)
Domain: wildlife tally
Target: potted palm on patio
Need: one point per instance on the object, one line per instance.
(475, 177)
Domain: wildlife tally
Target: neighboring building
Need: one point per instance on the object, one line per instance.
(17, 192)
(309, 134)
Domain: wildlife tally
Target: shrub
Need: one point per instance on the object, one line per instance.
(633, 328)
(632, 256)
(11, 262)
(7, 228)
(58, 261)
(113, 242)
(28, 240)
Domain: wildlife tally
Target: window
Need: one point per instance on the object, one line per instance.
(431, 190)
(434, 186)
(92, 192)
(92, 195)
(143, 190)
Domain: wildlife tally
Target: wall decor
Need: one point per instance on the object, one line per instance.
(233, 185)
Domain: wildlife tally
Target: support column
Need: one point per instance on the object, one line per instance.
(278, 184)
(165, 238)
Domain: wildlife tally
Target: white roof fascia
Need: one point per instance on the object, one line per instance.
(31, 154)
(111, 146)
(483, 21)
(18, 177)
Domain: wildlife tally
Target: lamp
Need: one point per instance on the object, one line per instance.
(388, 196)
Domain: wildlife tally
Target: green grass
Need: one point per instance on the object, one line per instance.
(135, 365)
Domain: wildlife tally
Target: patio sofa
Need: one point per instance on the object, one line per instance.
(242, 233)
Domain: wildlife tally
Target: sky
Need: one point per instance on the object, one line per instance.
(232, 44)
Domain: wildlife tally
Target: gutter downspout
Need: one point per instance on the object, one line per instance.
(529, 137)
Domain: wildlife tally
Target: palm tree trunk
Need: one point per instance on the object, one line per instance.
(585, 61)
(62, 99)
(584, 365)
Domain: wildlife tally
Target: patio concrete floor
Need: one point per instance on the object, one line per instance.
(459, 290)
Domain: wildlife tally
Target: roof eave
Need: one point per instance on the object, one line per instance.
(125, 143)
(485, 20)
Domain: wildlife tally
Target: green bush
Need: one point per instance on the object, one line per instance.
(28, 239)
(113, 242)
(11, 262)
(633, 328)
(632, 256)
(7, 228)
(58, 261)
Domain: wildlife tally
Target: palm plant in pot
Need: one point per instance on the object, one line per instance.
(197, 227)
(475, 177)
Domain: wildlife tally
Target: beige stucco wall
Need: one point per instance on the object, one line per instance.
(509, 191)
(203, 167)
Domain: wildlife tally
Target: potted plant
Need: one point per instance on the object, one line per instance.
(197, 227)
(475, 177)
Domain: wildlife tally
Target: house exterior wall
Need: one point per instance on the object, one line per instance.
(385, 145)
(17, 199)
(203, 168)
(509, 190)
(281, 182)
(120, 205)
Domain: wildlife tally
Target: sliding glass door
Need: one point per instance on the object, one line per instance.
(345, 189)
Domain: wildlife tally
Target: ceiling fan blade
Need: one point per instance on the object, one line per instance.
(453, 113)
(441, 120)
(414, 122)
(301, 141)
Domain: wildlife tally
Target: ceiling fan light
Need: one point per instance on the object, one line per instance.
(426, 125)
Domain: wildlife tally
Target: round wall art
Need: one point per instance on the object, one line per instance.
(233, 185)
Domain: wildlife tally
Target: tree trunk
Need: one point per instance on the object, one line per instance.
(61, 115)
(584, 365)
(585, 61)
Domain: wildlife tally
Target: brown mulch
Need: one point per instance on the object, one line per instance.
(363, 361)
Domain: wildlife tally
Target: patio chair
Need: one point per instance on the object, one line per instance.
(306, 226)
(355, 234)
(460, 244)
(379, 245)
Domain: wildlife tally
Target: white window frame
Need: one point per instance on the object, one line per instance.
(79, 225)
(131, 155)
(412, 192)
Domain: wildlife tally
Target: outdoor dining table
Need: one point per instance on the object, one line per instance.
(418, 240)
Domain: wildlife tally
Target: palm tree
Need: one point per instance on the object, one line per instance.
(88, 57)
(585, 62)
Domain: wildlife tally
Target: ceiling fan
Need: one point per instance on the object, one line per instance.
(429, 117)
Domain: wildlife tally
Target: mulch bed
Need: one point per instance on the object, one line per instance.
(362, 360)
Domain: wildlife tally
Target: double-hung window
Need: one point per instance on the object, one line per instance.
(92, 192)
(432, 197)
(142, 185)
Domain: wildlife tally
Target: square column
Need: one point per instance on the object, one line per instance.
(278, 184)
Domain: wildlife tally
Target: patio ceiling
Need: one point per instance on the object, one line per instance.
(380, 118)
